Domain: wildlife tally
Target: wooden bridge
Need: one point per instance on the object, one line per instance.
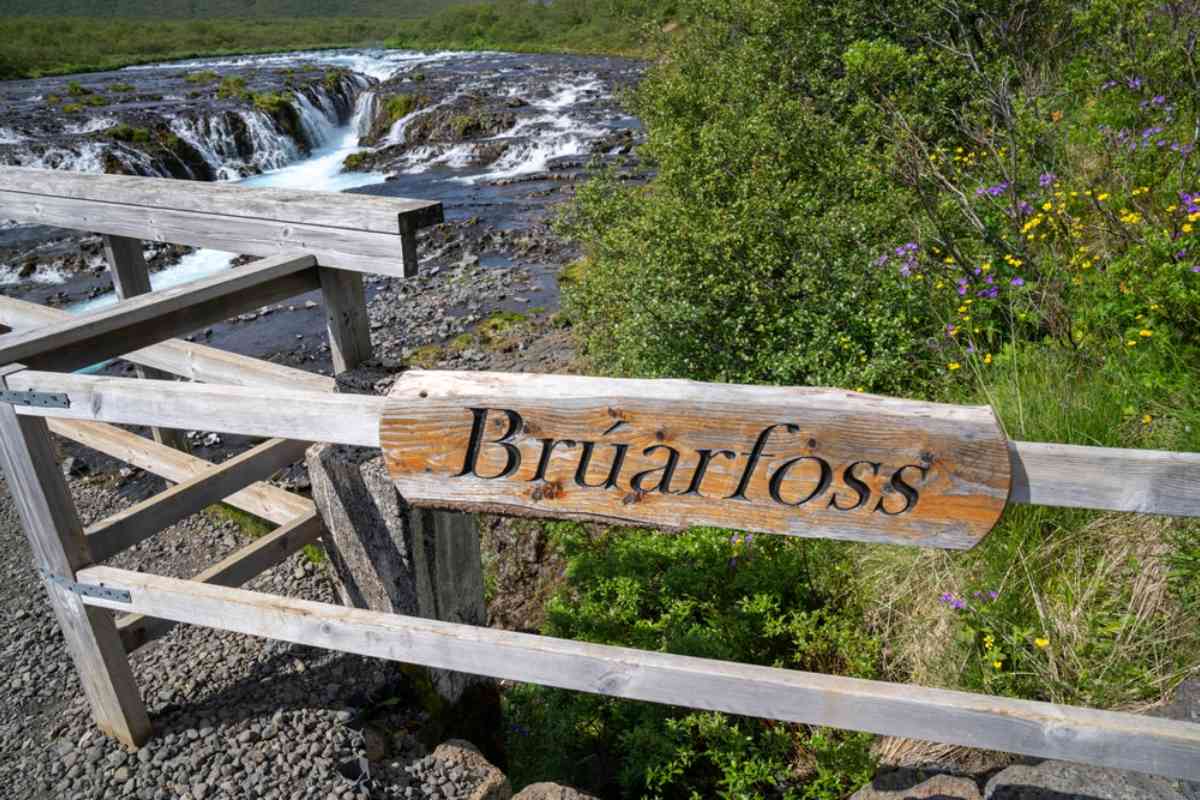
(804, 462)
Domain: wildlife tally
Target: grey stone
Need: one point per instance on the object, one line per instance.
(1060, 780)
(554, 791)
(389, 557)
(899, 785)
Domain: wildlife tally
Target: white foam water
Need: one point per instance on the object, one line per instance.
(84, 157)
(9, 136)
(90, 126)
(51, 274)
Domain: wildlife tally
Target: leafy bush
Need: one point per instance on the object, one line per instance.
(760, 600)
(233, 87)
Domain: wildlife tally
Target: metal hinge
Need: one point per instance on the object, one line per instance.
(88, 589)
(35, 398)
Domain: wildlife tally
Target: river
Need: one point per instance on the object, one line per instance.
(494, 136)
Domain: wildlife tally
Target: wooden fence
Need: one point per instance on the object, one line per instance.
(852, 466)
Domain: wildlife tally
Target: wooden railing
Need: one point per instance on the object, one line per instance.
(443, 450)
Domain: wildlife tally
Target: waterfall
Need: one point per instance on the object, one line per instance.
(271, 149)
(365, 109)
(319, 126)
(213, 138)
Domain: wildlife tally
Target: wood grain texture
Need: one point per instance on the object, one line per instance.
(677, 453)
(56, 538)
(346, 319)
(260, 499)
(361, 251)
(248, 410)
(142, 520)
(1102, 738)
(1106, 478)
(237, 568)
(131, 277)
(90, 338)
(196, 362)
(358, 212)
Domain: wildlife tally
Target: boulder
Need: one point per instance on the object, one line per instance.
(464, 755)
(904, 785)
(1061, 780)
(551, 791)
(387, 556)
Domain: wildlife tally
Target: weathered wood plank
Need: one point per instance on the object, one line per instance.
(346, 318)
(141, 521)
(260, 499)
(361, 251)
(237, 568)
(804, 462)
(131, 277)
(196, 362)
(353, 211)
(248, 410)
(1123, 741)
(134, 323)
(1109, 479)
(56, 538)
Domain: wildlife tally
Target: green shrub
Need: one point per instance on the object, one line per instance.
(76, 89)
(233, 87)
(72, 108)
(127, 133)
(122, 88)
(761, 600)
(203, 76)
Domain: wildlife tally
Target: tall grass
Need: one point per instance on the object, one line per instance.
(1090, 609)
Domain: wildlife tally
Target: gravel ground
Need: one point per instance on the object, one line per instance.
(234, 716)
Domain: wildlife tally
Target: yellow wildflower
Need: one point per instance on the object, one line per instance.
(1187, 227)
(1041, 643)
(1046, 206)
(1131, 343)
(953, 365)
(1145, 333)
(998, 664)
(1102, 196)
(1147, 419)
(987, 359)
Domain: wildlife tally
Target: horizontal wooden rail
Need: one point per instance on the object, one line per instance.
(348, 231)
(196, 362)
(1149, 481)
(247, 410)
(239, 567)
(1123, 741)
(139, 321)
(141, 521)
(260, 499)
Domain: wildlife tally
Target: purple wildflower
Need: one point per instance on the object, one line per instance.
(993, 594)
(1024, 209)
(990, 293)
(1158, 99)
(1196, 268)
(879, 262)
(1133, 83)
(1047, 179)
(962, 287)
(1018, 281)
(1182, 254)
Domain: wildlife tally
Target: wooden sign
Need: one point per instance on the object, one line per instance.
(673, 454)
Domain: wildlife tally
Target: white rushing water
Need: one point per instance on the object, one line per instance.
(321, 170)
(246, 146)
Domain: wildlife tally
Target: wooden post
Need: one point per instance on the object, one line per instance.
(131, 277)
(56, 538)
(408, 245)
(346, 318)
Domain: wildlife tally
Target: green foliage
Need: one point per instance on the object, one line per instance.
(233, 87)
(401, 105)
(765, 600)
(72, 108)
(128, 133)
(203, 76)
(121, 88)
(271, 102)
